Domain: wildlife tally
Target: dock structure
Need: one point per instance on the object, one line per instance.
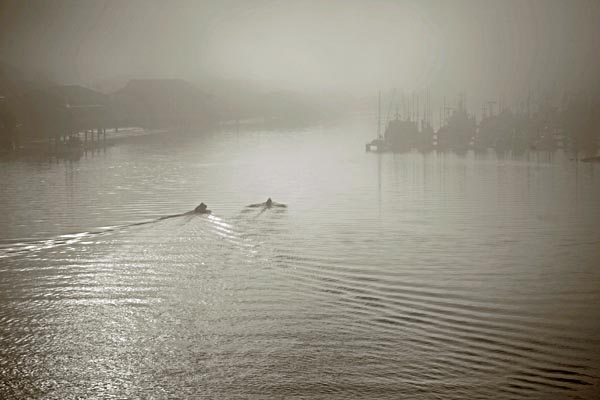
(89, 119)
(62, 114)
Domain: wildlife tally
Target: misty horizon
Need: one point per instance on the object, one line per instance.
(485, 49)
(332, 199)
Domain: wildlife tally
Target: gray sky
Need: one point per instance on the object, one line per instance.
(486, 48)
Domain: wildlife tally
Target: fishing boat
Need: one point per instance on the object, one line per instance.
(405, 133)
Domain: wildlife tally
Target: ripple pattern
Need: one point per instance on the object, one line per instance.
(421, 276)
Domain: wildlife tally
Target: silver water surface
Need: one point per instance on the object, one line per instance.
(389, 276)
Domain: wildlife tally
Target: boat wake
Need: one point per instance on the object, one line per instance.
(19, 247)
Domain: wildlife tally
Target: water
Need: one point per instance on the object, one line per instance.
(388, 276)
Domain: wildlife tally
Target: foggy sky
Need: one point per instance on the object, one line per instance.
(485, 48)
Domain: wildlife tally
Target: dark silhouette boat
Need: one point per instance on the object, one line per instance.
(591, 159)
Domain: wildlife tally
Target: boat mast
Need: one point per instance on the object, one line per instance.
(379, 116)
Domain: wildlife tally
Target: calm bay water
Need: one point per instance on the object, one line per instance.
(421, 276)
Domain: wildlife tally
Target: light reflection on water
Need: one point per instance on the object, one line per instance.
(408, 275)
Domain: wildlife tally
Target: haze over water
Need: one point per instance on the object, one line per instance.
(466, 269)
(388, 276)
